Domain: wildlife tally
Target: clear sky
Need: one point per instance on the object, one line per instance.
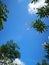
(17, 29)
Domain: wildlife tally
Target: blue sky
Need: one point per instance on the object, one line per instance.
(16, 29)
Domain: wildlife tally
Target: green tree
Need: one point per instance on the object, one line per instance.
(9, 50)
(46, 48)
(3, 14)
(39, 25)
(42, 13)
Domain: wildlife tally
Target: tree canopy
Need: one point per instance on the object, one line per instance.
(43, 63)
(9, 50)
(39, 25)
(42, 12)
(46, 48)
(3, 14)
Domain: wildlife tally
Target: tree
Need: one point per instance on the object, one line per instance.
(46, 48)
(39, 25)
(9, 50)
(42, 13)
(6, 62)
(43, 63)
(3, 14)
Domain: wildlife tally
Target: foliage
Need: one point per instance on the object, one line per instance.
(6, 61)
(43, 63)
(34, 1)
(46, 48)
(9, 50)
(47, 1)
(3, 14)
(38, 63)
(39, 25)
(42, 13)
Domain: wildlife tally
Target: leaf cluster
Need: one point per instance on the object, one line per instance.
(46, 48)
(42, 12)
(9, 50)
(39, 25)
(3, 14)
(43, 63)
